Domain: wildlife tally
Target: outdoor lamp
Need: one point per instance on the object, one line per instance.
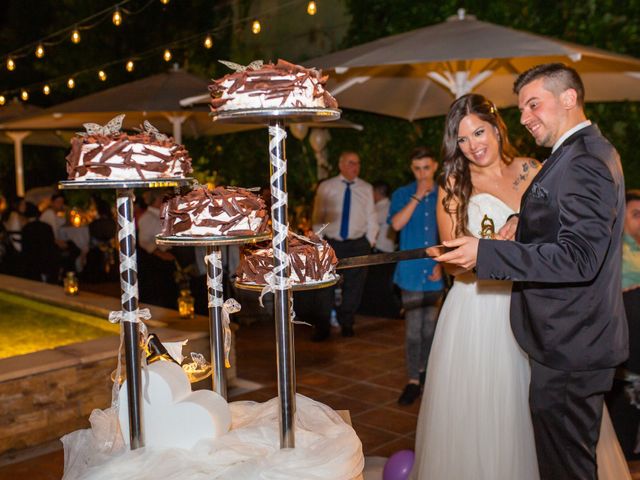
(3, 100)
(117, 17)
(167, 55)
(312, 8)
(24, 95)
(102, 76)
(40, 51)
(186, 304)
(71, 83)
(256, 27)
(129, 66)
(46, 89)
(75, 36)
(208, 42)
(11, 65)
(71, 284)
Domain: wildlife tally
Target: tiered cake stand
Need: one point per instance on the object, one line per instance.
(219, 332)
(281, 284)
(129, 316)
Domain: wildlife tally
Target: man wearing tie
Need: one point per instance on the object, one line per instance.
(345, 204)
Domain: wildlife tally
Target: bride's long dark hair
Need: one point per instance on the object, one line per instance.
(455, 178)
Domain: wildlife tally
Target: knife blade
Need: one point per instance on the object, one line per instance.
(391, 257)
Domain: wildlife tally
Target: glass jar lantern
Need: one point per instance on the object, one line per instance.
(186, 304)
(71, 286)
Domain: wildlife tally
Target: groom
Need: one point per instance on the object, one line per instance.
(566, 305)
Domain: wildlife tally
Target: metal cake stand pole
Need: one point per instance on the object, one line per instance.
(213, 260)
(129, 288)
(281, 286)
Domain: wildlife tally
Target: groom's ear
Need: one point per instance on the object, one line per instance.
(569, 99)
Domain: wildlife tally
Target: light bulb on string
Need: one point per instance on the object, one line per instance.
(312, 8)
(71, 83)
(102, 75)
(40, 51)
(3, 100)
(75, 36)
(46, 89)
(11, 65)
(164, 2)
(129, 66)
(24, 95)
(117, 17)
(208, 42)
(167, 55)
(256, 27)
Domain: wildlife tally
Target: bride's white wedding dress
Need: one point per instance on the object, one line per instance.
(474, 419)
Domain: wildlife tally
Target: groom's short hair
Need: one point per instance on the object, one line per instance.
(632, 195)
(557, 78)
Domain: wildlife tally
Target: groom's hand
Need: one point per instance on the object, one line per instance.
(465, 254)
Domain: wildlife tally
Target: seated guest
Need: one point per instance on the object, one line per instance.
(40, 255)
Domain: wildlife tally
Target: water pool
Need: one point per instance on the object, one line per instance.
(29, 326)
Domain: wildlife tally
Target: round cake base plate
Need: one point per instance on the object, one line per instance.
(265, 115)
(151, 183)
(210, 241)
(256, 287)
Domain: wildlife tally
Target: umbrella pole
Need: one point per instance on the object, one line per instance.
(213, 261)
(282, 288)
(130, 321)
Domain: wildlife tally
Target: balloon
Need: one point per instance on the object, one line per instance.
(318, 138)
(399, 465)
(299, 130)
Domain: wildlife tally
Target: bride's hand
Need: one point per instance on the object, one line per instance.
(508, 230)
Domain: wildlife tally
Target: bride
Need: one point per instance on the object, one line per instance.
(474, 419)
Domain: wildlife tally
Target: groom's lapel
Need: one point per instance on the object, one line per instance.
(548, 164)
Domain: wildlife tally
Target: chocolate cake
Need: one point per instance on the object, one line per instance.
(218, 212)
(107, 153)
(311, 258)
(259, 85)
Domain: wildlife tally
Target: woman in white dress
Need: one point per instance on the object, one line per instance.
(474, 419)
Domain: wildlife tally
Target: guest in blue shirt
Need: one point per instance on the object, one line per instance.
(413, 214)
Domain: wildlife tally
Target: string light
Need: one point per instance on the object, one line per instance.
(117, 17)
(75, 36)
(71, 83)
(24, 95)
(129, 66)
(164, 2)
(2, 100)
(208, 42)
(102, 76)
(312, 8)
(256, 27)
(46, 89)
(40, 51)
(167, 55)
(11, 65)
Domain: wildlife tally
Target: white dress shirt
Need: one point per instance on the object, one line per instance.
(386, 240)
(149, 226)
(327, 209)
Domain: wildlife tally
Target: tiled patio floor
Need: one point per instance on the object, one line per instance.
(363, 374)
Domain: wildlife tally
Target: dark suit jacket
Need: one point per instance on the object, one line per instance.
(566, 306)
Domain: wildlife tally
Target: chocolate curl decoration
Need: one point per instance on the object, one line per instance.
(216, 300)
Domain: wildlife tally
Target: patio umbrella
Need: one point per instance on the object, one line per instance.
(18, 137)
(417, 74)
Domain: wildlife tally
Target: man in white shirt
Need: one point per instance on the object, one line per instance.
(345, 204)
(157, 263)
